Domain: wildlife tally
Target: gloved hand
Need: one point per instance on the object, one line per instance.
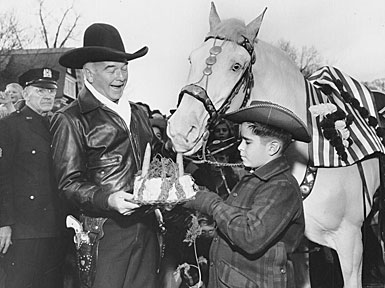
(204, 202)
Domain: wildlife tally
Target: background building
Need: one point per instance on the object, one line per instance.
(16, 62)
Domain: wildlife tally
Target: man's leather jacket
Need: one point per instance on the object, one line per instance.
(95, 154)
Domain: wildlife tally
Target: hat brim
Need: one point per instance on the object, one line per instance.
(160, 123)
(76, 58)
(273, 115)
(219, 146)
(43, 84)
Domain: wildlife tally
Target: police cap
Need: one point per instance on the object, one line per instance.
(40, 77)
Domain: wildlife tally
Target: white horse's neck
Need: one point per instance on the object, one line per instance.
(278, 79)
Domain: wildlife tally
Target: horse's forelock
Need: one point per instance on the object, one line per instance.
(230, 29)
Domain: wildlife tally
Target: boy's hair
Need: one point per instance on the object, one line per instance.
(271, 132)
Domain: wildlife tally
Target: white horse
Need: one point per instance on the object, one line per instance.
(219, 80)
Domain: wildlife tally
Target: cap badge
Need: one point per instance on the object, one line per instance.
(47, 73)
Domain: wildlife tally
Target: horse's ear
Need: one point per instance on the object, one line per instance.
(253, 27)
(214, 17)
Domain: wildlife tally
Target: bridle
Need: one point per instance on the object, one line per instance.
(200, 93)
(246, 80)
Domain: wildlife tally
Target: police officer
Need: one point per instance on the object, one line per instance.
(30, 218)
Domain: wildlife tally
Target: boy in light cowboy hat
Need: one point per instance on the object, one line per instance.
(98, 146)
(262, 220)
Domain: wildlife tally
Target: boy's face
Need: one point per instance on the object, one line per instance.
(253, 150)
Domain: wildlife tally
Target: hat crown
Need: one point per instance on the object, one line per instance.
(103, 35)
(41, 77)
(101, 42)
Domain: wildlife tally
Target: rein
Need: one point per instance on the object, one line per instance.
(200, 93)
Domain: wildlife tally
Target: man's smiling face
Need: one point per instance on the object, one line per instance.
(108, 78)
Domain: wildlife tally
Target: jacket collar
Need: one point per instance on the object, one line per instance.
(28, 113)
(36, 122)
(87, 101)
(272, 168)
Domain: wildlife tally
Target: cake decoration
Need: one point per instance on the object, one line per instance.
(163, 181)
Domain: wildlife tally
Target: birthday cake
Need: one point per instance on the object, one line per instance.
(162, 184)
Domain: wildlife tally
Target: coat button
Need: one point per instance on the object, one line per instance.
(33, 151)
(211, 264)
(235, 194)
(31, 197)
(102, 172)
(215, 239)
(283, 271)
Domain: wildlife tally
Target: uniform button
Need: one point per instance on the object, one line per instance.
(96, 227)
(102, 172)
(33, 151)
(215, 239)
(31, 197)
(235, 194)
(283, 271)
(211, 264)
(51, 145)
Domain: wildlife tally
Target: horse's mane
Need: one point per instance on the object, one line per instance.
(230, 29)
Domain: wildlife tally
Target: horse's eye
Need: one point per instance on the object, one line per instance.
(236, 67)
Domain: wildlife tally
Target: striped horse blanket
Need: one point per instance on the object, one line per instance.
(365, 140)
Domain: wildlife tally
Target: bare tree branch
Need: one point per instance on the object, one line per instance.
(65, 24)
(307, 59)
(70, 31)
(60, 25)
(43, 25)
(377, 84)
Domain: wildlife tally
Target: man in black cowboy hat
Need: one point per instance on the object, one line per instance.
(262, 220)
(31, 224)
(98, 146)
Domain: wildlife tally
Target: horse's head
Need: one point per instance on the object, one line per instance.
(220, 80)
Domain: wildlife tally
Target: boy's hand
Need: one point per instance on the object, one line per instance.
(204, 202)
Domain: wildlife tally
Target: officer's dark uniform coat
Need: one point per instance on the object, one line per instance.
(28, 197)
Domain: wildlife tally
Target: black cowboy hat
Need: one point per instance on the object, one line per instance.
(161, 123)
(274, 115)
(102, 42)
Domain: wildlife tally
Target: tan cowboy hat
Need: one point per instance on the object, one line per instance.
(102, 42)
(273, 115)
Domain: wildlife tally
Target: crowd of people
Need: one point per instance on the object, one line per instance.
(82, 159)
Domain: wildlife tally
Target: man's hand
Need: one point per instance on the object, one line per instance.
(6, 101)
(120, 201)
(5, 98)
(5, 238)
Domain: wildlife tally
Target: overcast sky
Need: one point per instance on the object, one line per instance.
(349, 34)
